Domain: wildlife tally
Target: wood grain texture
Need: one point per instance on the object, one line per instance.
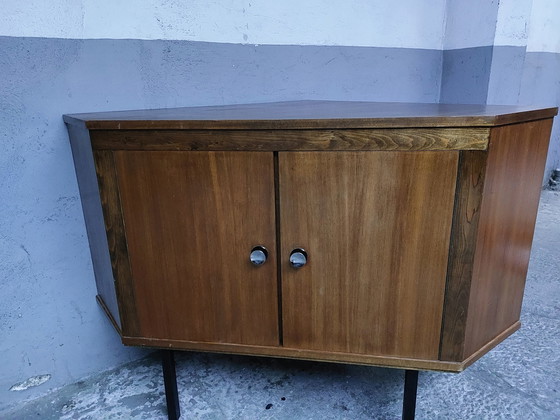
(376, 228)
(192, 219)
(291, 353)
(418, 228)
(490, 345)
(464, 230)
(116, 240)
(93, 217)
(311, 115)
(516, 159)
(282, 140)
(337, 357)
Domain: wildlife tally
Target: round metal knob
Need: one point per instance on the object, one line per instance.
(298, 258)
(258, 255)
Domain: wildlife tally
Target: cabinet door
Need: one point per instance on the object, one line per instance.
(376, 229)
(191, 220)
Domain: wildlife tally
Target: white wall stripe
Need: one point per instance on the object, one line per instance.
(544, 29)
(424, 24)
(470, 23)
(402, 24)
(512, 26)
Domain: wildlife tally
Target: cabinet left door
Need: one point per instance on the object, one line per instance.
(190, 220)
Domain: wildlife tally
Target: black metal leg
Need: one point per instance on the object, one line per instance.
(409, 398)
(170, 382)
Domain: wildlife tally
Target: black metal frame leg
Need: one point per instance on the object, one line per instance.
(409, 398)
(170, 382)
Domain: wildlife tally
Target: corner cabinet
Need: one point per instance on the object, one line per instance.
(385, 234)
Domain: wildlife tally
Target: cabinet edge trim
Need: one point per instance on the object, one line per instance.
(290, 353)
(333, 357)
(406, 139)
(491, 344)
(101, 303)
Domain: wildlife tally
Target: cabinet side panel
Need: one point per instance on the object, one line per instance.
(93, 216)
(516, 159)
(468, 197)
(376, 227)
(118, 250)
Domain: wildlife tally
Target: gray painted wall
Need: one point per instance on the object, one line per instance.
(505, 75)
(50, 323)
(490, 56)
(465, 75)
(540, 84)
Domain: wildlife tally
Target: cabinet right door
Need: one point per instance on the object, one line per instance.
(376, 228)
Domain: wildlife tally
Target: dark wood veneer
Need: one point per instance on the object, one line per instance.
(510, 200)
(417, 218)
(312, 115)
(93, 217)
(192, 219)
(368, 228)
(464, 230)
(116, 238)
(324, 356)
(302, 140)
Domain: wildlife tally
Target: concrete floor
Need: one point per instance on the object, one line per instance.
(520, 379)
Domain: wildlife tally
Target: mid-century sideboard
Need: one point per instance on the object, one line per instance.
(384, 234)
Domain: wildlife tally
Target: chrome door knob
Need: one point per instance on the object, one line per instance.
(258, 256)
(298, 258)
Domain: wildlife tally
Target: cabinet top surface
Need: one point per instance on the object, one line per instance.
(312, 115)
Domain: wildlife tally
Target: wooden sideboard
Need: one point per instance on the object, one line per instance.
(385, 234)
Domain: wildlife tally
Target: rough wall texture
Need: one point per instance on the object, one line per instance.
(49, 320)
(465, 75)
(470, 23)
(540, 84)
(526, 61)
(402, 24)
(504, 52)
(505, 75)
